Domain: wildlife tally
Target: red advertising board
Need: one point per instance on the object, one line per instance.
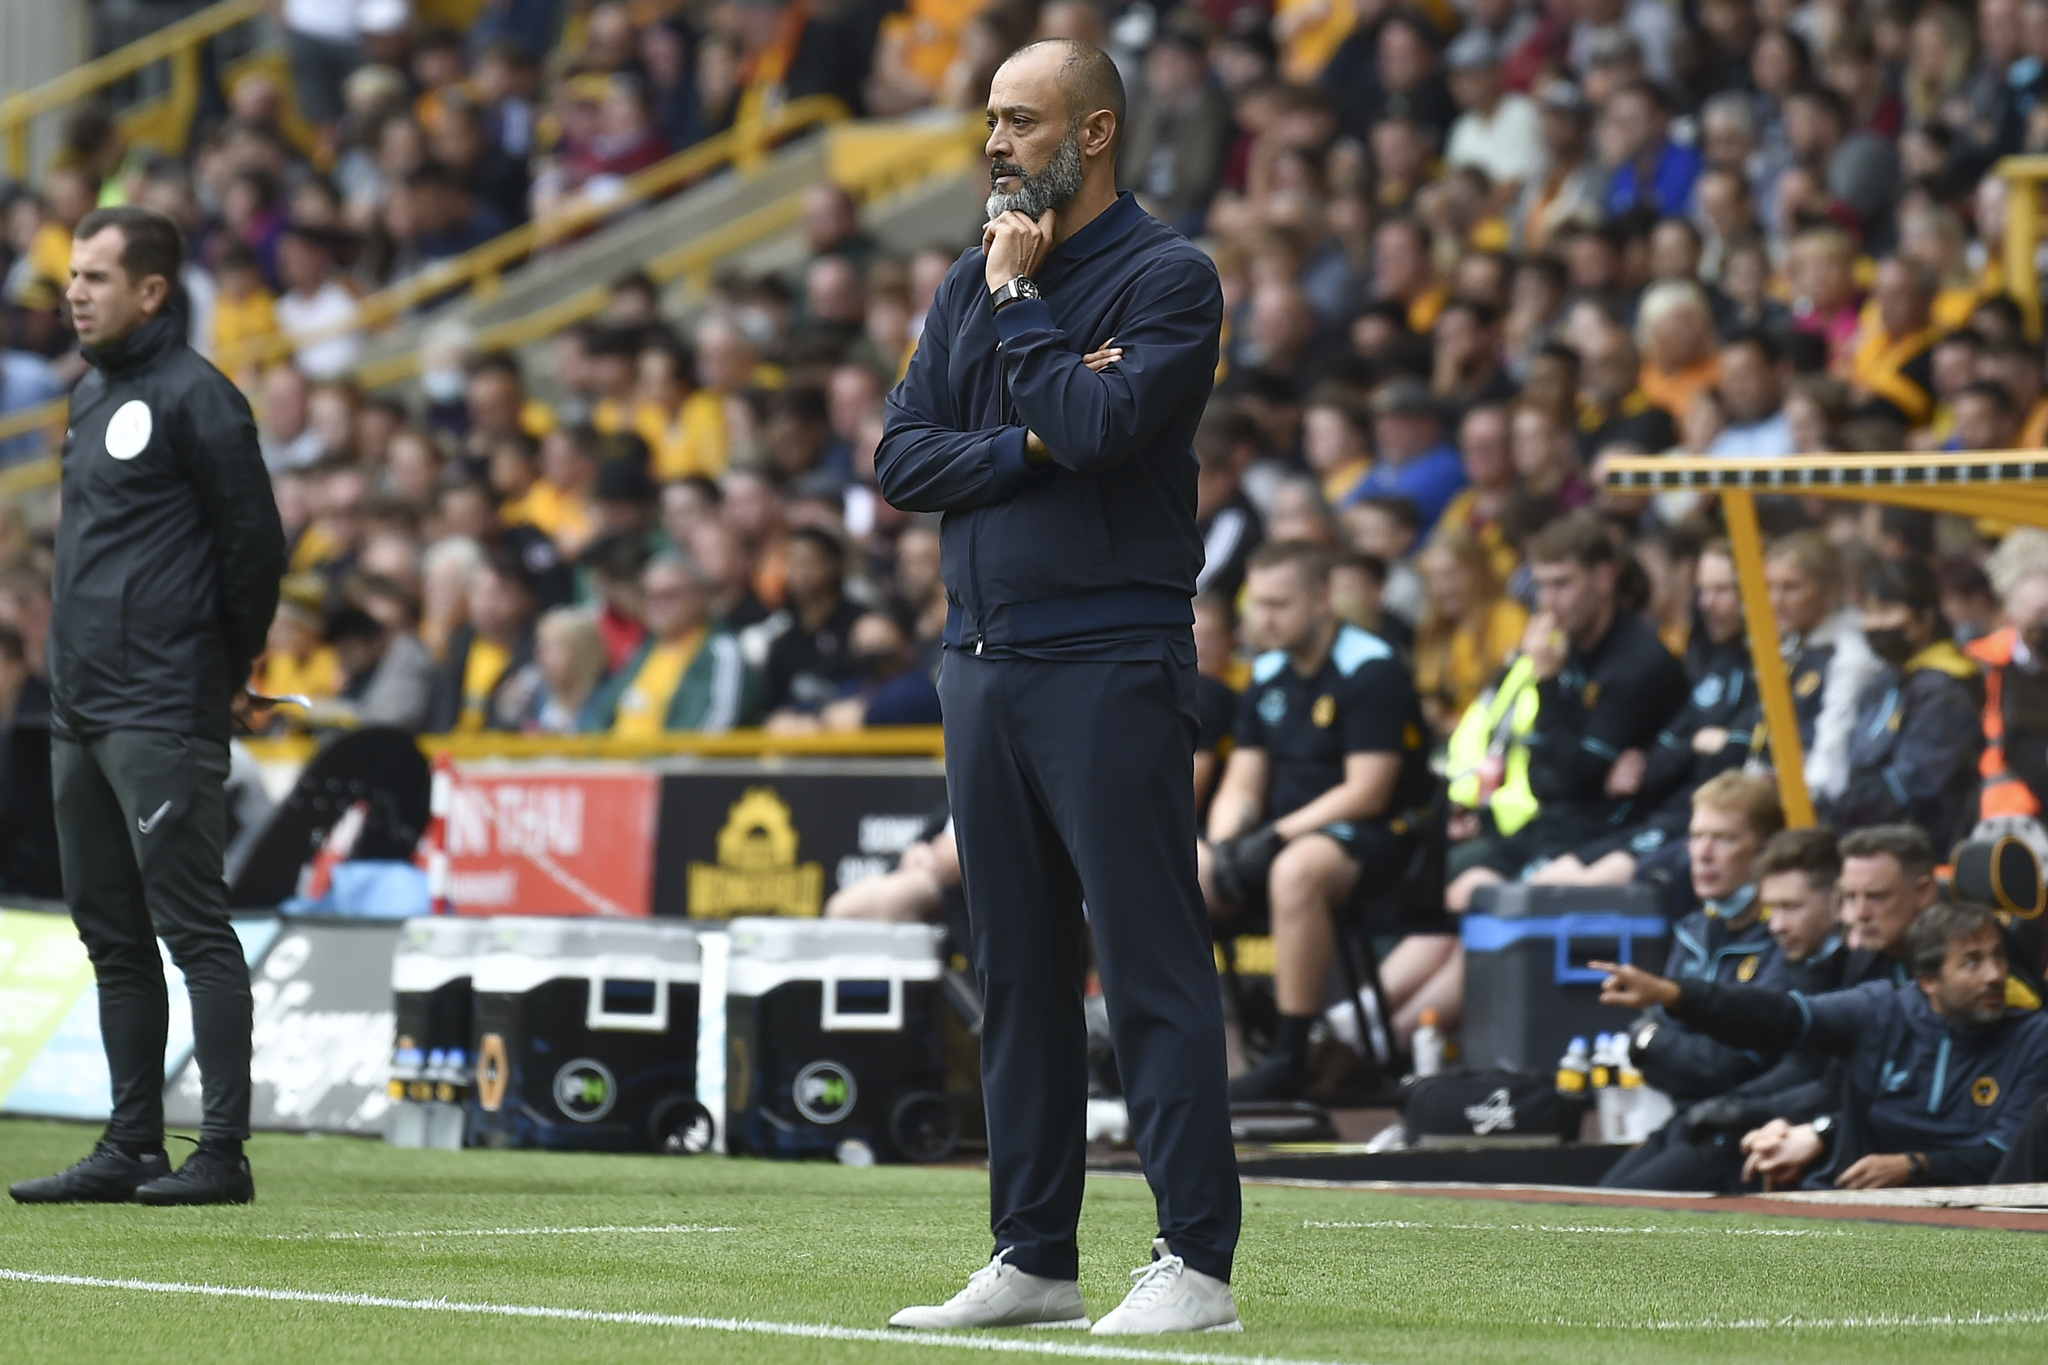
(552, 841)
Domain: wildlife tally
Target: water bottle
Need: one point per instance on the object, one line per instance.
(1609, 1105)
(406, 1124)
(446, 1117)
(1573, 1070)
(1428, 1046)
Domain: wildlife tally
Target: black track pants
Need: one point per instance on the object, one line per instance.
(141, 825)
(1073, 780)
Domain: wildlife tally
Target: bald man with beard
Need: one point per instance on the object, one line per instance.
(1050, 415)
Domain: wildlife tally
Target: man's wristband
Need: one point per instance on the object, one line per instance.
(1022, 287)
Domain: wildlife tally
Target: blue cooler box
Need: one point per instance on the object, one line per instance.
(1528, 990)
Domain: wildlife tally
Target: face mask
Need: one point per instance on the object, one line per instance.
(443, 386)
(1890, 644)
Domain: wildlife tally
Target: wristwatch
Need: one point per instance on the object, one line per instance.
(1023, 287)
(1824, 1129)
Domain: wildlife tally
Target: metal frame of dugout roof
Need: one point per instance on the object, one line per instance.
(2003, 485)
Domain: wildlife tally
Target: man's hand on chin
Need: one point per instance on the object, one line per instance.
(1015, 245)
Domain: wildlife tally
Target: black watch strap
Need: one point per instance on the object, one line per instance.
(1022, 287)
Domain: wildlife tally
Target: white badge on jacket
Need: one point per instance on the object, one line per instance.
(128, 430)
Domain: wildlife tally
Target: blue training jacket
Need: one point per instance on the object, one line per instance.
(1101, 542)
(1916, 1082)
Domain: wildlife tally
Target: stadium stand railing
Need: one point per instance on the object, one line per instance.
(867, 160)
(163, 122)
(897, 741)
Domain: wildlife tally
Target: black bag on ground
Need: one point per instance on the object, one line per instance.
(1487, 1104)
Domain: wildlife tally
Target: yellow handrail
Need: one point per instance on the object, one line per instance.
(26, 478)
(895, 741)
(918, 154)
(179, 42)
(34, 419)
(485, 262)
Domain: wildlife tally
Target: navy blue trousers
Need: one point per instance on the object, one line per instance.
(1073, 780)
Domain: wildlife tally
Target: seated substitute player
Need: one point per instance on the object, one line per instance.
(1725, 940)
(1328, 785)
(1606, 687)
(1939, 1073)
(1700, 1149)
(1710, 735)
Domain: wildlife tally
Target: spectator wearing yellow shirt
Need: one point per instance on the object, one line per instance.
(917, 45)
(38, 279)
(614, 353)
(1469, 630)
(1675, 328)
(296, 661)
(562, 502)
(663, 375)
(1404, 271)
(726, 361)
(689, 675)
(244, 308)
(1336, 440)
(1309, 33)
(495, 398)
(488, 650)
(514, 474)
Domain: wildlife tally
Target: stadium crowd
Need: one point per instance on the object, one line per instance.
(1468, 251)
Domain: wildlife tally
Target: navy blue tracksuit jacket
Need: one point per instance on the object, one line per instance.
(1103, 540)
(1684, 1063)
(1915, 1081)
(1068, 690)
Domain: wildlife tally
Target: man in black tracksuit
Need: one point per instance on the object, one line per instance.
(168, 559)
(1606, 687)
(1070, 554)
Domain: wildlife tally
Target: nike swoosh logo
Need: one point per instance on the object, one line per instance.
(151, 823)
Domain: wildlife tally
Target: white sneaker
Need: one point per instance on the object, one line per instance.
(1000, 1295)
(1171, 1296)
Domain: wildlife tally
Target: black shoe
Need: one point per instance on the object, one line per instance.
(1279, 1078)
(211, 1175)
(109, 1176)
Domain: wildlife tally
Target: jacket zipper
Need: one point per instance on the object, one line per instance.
(1009, 414)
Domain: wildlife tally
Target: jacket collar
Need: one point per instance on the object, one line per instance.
(142, 347)
(1100, 233)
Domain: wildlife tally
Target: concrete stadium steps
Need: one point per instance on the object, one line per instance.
(937, 202)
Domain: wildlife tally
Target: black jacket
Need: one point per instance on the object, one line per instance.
(1101, 541)
(170, 550)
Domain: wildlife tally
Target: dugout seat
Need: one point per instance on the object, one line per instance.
(1375, 910)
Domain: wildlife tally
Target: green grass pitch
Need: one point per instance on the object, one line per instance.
(418, 1256)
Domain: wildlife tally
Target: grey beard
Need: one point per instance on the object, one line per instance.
(1050, 188)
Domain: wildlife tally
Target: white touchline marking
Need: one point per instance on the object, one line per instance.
(490, 1232)
(1404, 1223)
(816, 1331)
(2019, 1318)
(999, 1345)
